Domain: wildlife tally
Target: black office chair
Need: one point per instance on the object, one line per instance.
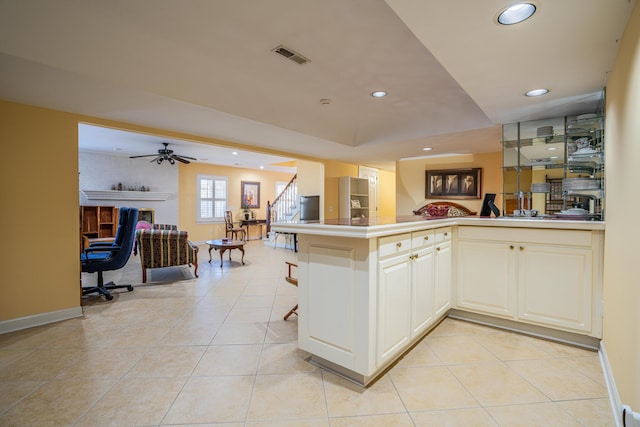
(100, 258)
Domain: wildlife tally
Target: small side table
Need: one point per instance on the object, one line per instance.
(248, 222)
(226, 245)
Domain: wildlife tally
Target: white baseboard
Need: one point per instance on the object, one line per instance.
(39, 319)
(614, 397)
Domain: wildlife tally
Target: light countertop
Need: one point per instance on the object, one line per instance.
(376, 227)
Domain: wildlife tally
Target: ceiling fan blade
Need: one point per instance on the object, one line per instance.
(146, 155)
(156, 159)
(184, 157)
(180, 159)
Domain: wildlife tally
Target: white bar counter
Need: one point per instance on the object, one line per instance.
(368, 290)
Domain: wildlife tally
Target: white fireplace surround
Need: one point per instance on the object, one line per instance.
(99, 172)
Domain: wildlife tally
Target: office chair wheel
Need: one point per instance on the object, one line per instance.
(108, 297)
(129, 288)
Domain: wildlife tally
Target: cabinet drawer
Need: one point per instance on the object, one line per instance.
(542, 236)
(394, 245)
(442, 234)
(421, 239)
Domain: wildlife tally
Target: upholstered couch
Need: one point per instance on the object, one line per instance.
(455, 209)
(164, 226)
(165, 248)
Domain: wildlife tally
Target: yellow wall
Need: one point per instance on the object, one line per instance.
(621, 283)
(386, 194)
(332, 172)
(188, 175)
(310, 182)
(410, 179)
(40, 239)
(386, 189)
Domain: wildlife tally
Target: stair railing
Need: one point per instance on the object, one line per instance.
(283, 204)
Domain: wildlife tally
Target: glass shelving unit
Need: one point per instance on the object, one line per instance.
(552, 165)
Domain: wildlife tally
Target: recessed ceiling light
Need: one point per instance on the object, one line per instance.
(235, 153)
(427, 149)
(117, 149)
(379, 94)
(537, 92)
(553, 157)
(516, 13)
(552, 148)
(261, 167)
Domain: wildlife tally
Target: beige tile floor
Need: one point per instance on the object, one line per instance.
(214, 351)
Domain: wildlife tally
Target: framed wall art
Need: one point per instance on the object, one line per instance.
(453, 184)
(250, 192)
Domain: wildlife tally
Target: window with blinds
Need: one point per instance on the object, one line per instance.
(212, 198)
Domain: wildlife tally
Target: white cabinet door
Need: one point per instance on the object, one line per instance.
(422, 278)
(407, 289)
(442, 285)
(394, 306)
(486, 277)
(555, 286)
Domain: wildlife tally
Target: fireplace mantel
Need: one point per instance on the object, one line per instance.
(125, 195)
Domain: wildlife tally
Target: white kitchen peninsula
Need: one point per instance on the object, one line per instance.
(369, 289)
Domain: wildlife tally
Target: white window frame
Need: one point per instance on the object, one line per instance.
(213, 200)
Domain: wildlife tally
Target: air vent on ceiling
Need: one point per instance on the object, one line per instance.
(290, 55)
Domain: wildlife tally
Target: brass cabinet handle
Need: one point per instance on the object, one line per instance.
(521, 248)
(510, 246)
(426, 237)
(399, 244)
(438, 248)
(446, 234)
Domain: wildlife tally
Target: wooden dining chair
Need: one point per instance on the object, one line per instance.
(294, 281)
(231, 228)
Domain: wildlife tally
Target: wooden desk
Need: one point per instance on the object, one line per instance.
(247, 222)
(223, 246)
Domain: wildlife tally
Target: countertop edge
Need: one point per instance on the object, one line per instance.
(367, 232)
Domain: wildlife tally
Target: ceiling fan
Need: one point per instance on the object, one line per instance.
(166, 154)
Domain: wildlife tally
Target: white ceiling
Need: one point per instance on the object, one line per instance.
(117, 142)
(205, 67)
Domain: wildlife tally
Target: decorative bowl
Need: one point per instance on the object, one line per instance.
(438, 210)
